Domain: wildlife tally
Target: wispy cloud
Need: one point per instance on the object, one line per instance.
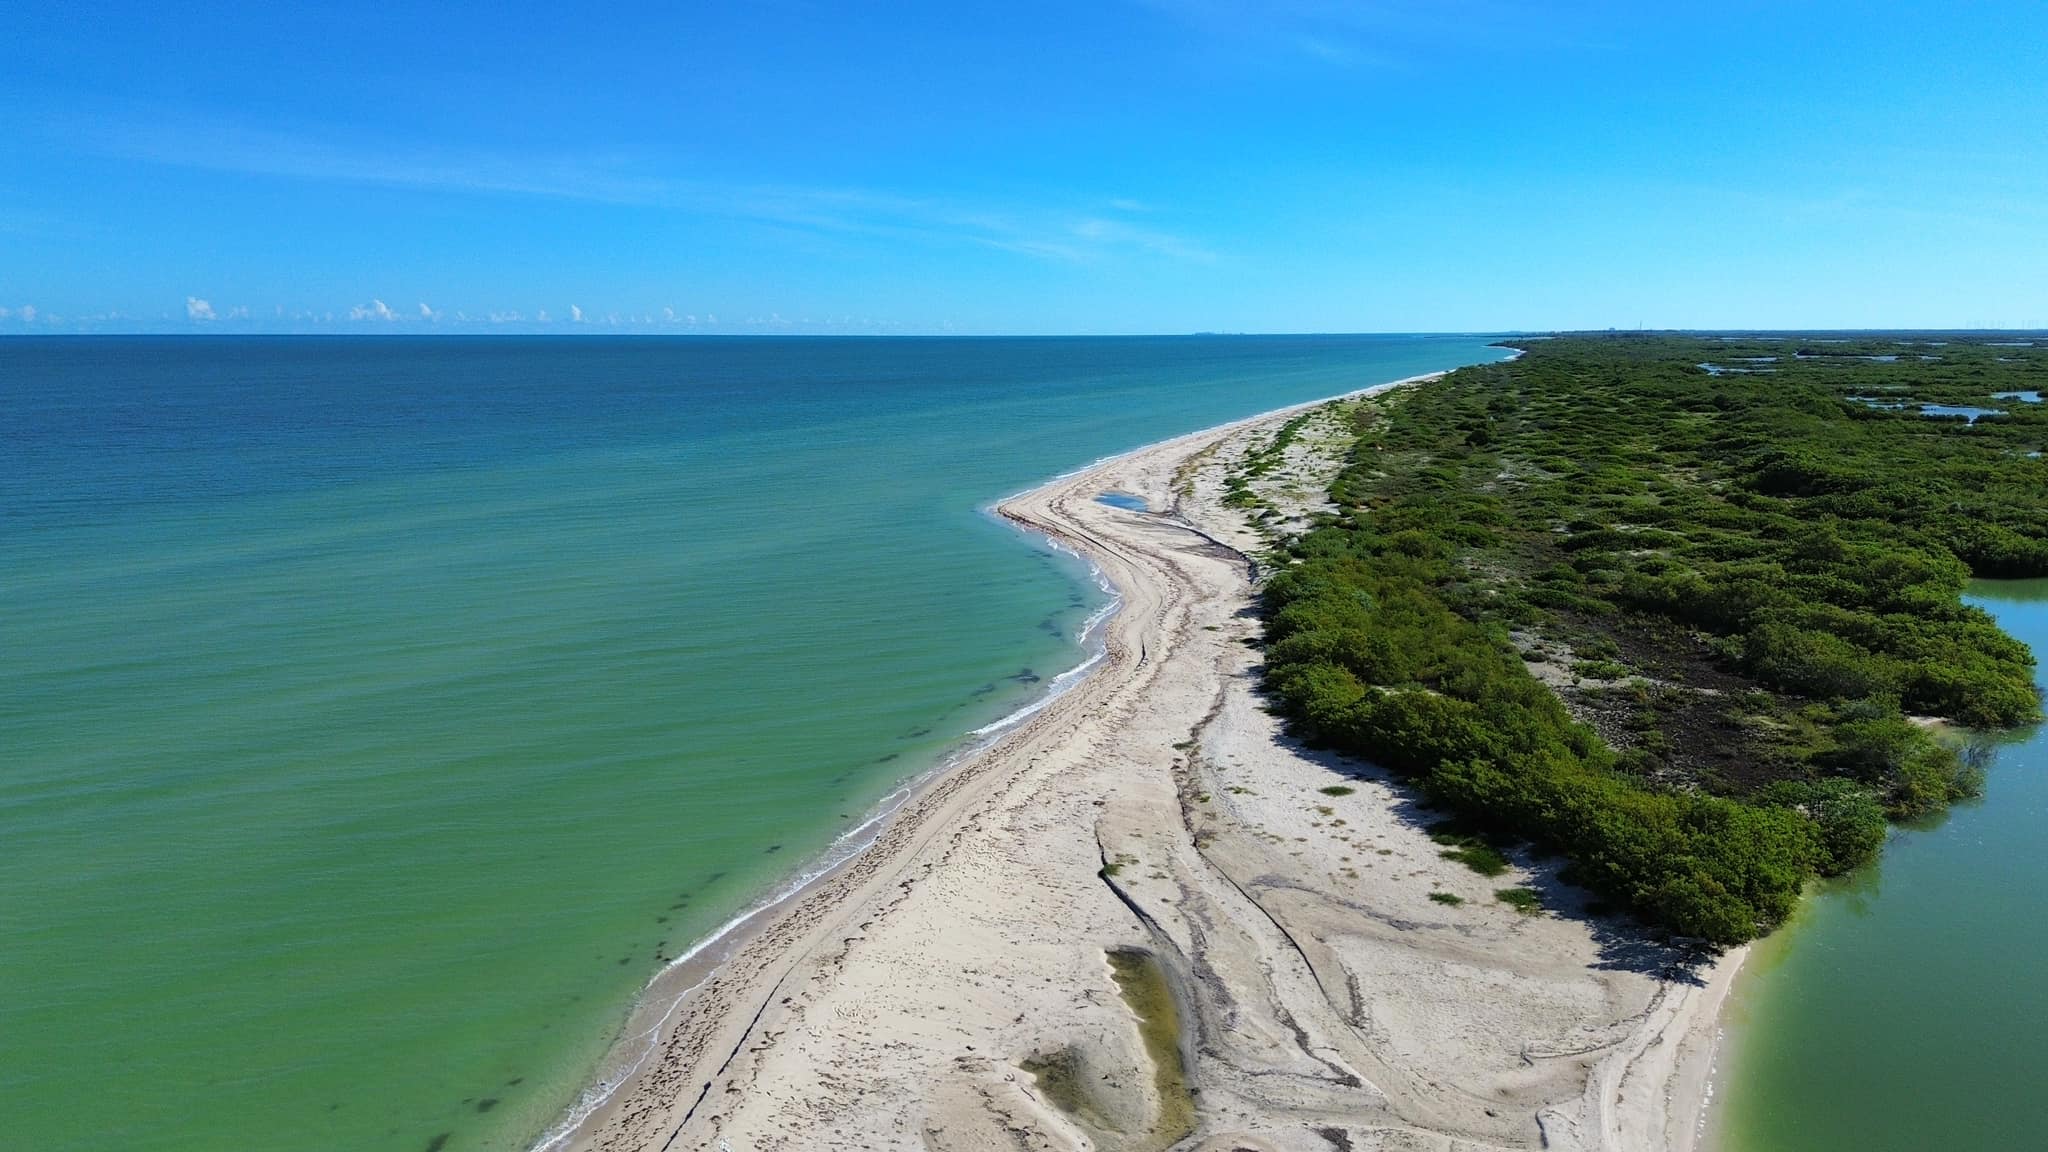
(1046, 231)
(197, 310)
(1116, 232)
(1377, 33)
(375, 310)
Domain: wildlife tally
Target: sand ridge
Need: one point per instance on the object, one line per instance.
(1326, 1000)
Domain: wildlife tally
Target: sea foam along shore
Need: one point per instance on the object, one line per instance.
(1154, 806)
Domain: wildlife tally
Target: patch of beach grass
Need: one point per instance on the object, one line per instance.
(1527, 901)
(1469, 850)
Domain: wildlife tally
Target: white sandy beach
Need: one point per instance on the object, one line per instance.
(1326, 1002)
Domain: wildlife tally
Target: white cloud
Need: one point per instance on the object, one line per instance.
(541, 316)
(427, 313)
(197, 309)
(238, 312)
(28, 313)
(510, 317)
(575, 314)
(5, 313)
(378, 310)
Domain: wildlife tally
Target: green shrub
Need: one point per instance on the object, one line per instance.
(1849, 820)
(1819, 550)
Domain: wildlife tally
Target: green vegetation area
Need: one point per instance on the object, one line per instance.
(1260, 460)
(1671, 605)
(1258, 483)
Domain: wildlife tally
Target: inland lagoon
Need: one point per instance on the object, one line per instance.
(1904, 1008)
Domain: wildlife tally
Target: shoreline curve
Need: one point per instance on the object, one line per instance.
(713, 1014)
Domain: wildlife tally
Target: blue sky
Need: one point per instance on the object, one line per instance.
(1112, 166)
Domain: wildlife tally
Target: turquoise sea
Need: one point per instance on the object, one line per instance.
(376, 716)
(1905, 1008)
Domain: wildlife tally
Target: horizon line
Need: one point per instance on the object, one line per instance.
(614, 334)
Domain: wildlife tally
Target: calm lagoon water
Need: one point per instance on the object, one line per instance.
(1125, 501)
(376, 716)
(1906, 1008)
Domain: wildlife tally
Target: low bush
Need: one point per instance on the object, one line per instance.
(1812, 549)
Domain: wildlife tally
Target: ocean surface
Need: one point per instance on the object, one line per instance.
(1906, 1007)
(377, 716)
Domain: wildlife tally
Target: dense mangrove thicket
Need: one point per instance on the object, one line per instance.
(1671, 605)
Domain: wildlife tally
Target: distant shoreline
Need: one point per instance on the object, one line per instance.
(663, 995)
(876, 1004)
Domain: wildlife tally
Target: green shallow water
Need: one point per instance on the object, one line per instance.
(377, 716)
(1906, 1007)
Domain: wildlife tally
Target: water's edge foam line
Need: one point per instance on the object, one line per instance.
(844, 847)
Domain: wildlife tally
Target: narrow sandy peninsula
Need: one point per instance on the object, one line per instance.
(975, 979)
